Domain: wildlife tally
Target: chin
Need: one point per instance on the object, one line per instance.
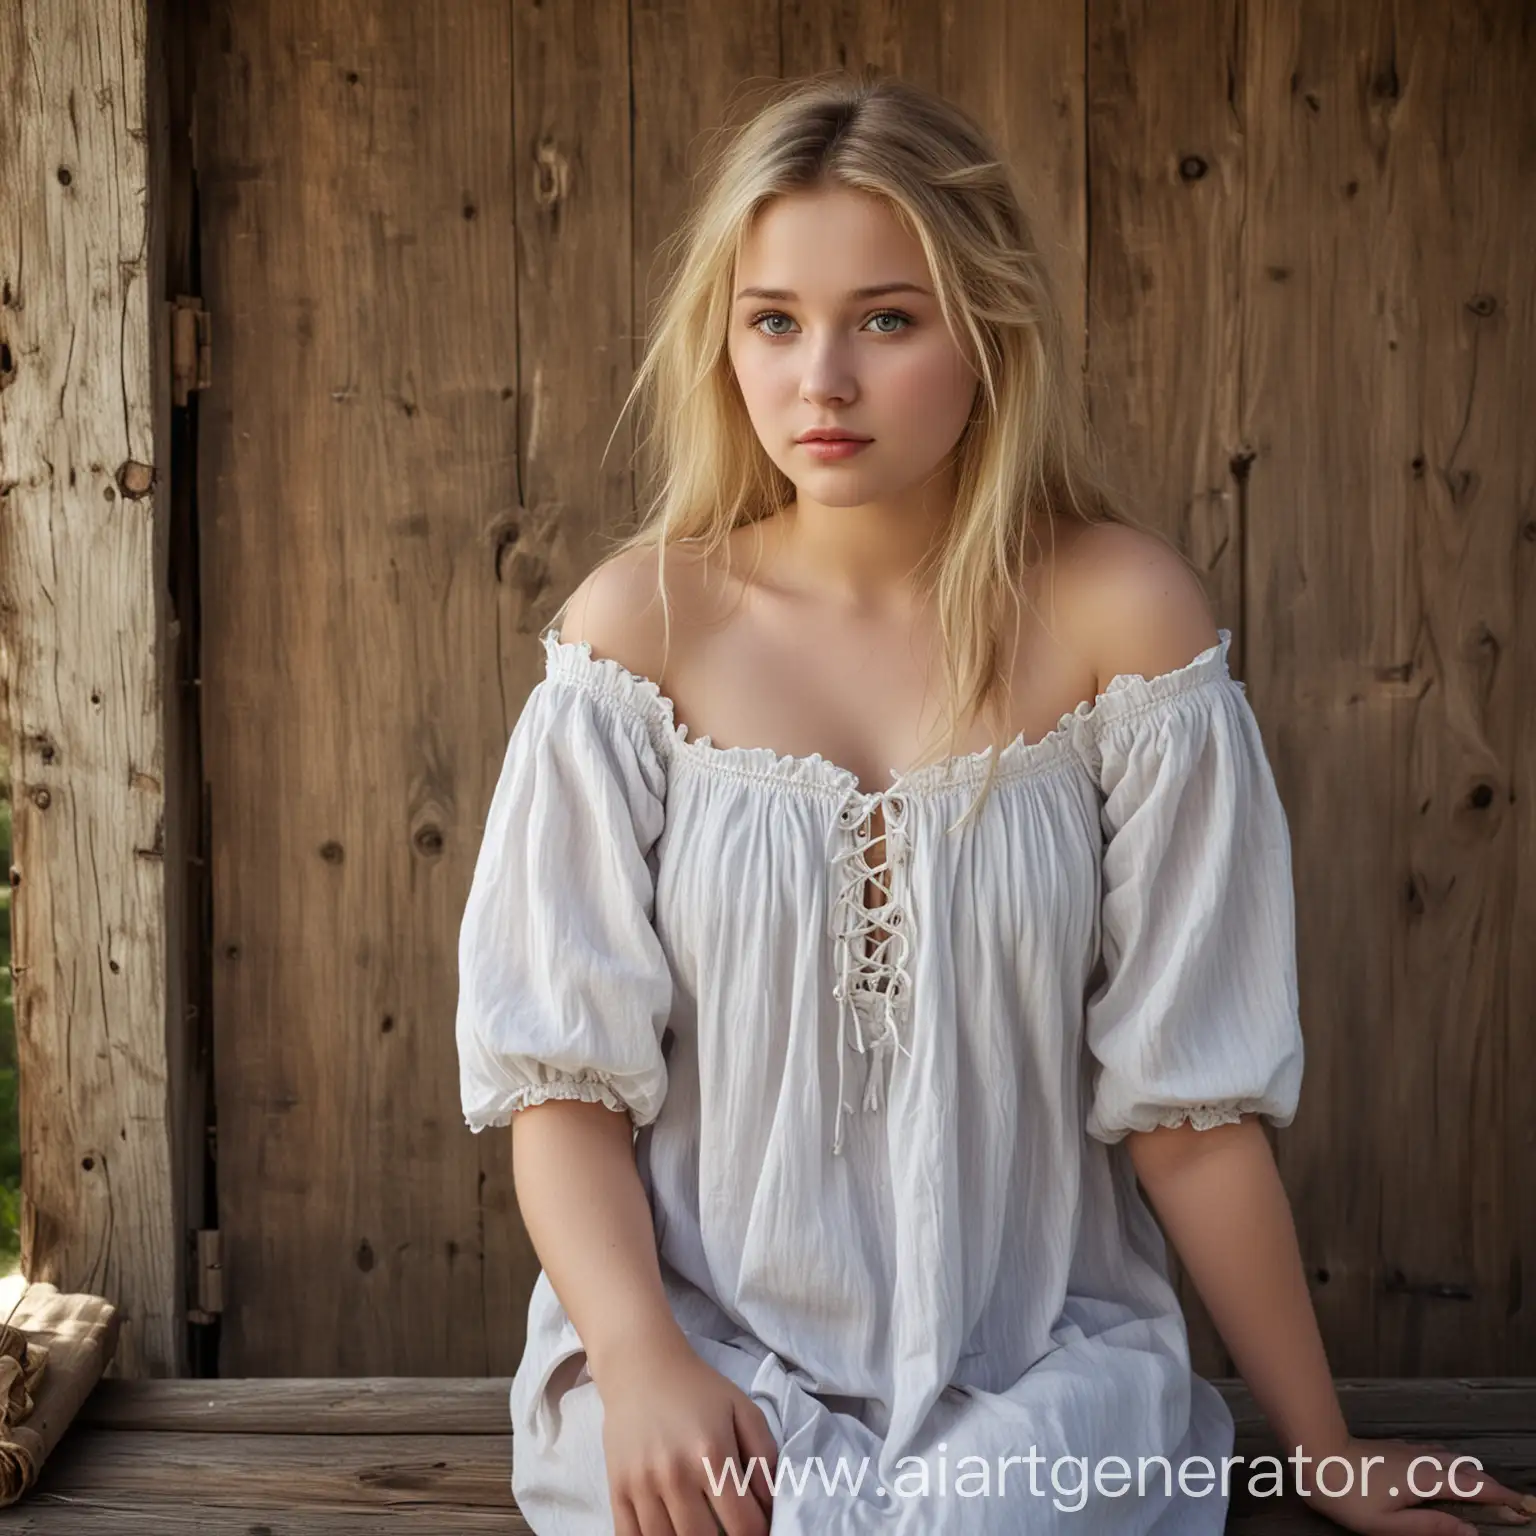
(838, 491)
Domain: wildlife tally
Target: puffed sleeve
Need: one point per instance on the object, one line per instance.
(1195, 1018)
(564, 987)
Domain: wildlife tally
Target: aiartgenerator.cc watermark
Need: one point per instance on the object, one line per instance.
(1072, 1480)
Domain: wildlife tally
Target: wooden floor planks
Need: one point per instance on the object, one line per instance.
(411, 1456)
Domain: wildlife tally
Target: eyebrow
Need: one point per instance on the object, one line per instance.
(783, 295)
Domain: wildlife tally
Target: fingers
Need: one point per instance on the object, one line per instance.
(625, 1521)
(739, 1514)
(1430, 1522)
(691, 1512)
(652, 1514)
(741, 1508)
(1491, 1491)
(1467, 1481)
(759, 1450)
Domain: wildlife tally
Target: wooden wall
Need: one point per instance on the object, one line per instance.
(1294, 242)
(101, 748)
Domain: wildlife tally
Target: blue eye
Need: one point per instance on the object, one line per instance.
(763, 323)
(756, 322)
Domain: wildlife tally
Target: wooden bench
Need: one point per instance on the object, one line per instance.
(409, 1456)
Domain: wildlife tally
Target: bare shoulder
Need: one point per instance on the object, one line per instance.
(1133, 603)
(616, 608)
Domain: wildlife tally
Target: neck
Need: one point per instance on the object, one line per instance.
(867, 556)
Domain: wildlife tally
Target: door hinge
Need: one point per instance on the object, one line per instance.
(209, 1277)
(191, 352)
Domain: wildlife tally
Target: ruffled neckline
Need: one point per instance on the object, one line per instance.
(1127, 694)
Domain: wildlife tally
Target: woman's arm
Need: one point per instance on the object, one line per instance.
(1222, 1205)
(585, 1210)
(1219, 1197)
(672, 1425)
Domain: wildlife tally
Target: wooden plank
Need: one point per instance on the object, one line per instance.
(576, 318)
(696, 70)
(1383, 508)
(358, 481)
(1413, 1407)
(327, 1484)
(379, 1405)
(1290, 1517)
(44, 1517)
(89, 696)
(1166, 165)
(1325, 627)
(314, 1484)
(1019, 68)
(1393, 1406)
(1447, 102)
(61, 1515)
(854, 34)
(1511, 342)
(1166, 171)
(283, 1471)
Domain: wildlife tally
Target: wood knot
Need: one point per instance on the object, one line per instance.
(552, 175)
(134, 479)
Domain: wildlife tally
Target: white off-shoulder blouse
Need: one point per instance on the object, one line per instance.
(880, 1142)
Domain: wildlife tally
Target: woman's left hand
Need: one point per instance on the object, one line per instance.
(1378, 1500)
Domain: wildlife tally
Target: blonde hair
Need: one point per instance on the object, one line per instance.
(1026, 452)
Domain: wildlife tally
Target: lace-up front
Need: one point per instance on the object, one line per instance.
(872, 943)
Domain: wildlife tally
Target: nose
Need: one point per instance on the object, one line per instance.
(828, 376)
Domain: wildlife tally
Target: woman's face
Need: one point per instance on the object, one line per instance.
(813, 347)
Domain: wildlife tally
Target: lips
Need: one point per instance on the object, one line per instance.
(832, 450)
(831, 435)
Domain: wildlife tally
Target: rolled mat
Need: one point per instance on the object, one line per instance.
(53, 1349)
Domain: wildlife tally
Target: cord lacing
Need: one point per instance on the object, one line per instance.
(873, 985)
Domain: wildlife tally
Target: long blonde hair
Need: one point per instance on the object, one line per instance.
(1025, 454)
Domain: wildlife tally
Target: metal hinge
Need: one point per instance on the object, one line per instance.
(191, 353)
(209, 1277)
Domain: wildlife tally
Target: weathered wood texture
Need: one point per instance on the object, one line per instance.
(1290, 245)
(323, 1458)
(358, 480)
(91, 658)
(1388, 314)
(1310, 318)
(325, 1405)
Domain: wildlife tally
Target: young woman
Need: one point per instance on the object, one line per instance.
(831, 1084)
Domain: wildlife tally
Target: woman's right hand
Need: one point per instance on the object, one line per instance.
(665, 1413)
